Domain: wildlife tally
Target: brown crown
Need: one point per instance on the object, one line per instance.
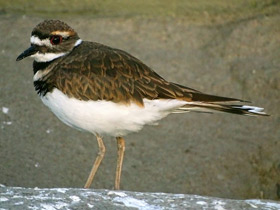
(46, 27)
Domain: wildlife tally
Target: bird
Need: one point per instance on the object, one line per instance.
(107, 91)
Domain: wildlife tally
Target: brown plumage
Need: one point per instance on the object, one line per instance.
(99, 72)
(93, 71)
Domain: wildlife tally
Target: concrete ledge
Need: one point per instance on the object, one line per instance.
(69, 198)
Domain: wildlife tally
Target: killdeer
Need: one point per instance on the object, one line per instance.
(106, 91)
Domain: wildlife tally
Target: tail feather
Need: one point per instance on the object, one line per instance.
(214, 107)
(214, 99)
(201, 102)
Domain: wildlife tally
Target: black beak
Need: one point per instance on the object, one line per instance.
(30, 51)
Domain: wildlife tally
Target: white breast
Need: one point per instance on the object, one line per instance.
(105, 117)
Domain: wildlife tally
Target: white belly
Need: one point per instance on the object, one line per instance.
(105, 117)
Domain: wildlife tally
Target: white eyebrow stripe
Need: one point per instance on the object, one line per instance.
(44, 42)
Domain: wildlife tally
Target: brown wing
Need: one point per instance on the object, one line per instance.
(99, 72)
(104, 73)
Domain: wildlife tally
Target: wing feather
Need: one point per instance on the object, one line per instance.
(104, 73)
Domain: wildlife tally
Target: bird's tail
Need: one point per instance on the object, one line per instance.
(210, 103)
(211, 107)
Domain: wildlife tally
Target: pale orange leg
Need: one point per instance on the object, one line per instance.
(121, 149)
(97, 161)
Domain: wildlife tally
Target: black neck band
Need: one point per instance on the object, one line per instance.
(40, 66)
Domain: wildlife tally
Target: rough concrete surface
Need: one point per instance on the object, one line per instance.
(218, 155)
(67, 198)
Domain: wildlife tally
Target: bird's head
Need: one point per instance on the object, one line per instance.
(51, 39)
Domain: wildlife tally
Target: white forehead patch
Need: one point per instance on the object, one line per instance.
(41, 42)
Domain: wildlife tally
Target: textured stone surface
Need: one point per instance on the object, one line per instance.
(65, 198)
(217, 155)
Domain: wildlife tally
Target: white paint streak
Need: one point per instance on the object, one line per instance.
(201, 203)
(59, 205)
(218, 205)
(3, 199)
(75, 198)
(47, 206)
(90, 206)
(5, 110)
(266, 203)
(118, 193)
(252, 205)
(135, 203)
(61, 190)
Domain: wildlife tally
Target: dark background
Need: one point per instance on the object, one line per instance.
(228, 48)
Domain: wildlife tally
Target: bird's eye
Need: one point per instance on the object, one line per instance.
(56, 39)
